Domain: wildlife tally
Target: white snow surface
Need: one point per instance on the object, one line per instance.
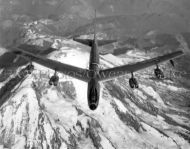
(45, 117)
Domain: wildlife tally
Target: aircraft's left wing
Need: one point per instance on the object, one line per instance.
(111, 73)
(75, 72)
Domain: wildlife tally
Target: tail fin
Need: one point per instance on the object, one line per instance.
(95, 25)
(89, 42)
(100, 42)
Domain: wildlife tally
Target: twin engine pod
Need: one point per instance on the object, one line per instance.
(133, 83)
(52, 81)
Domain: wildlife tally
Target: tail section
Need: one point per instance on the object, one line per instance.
(95, 26)
(89, 42)
(105, 42)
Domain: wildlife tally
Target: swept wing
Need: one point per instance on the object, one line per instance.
(115, 72)
(75, 72)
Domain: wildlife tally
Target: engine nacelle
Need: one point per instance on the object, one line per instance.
(158, 73)
(133, 83)
(30, 68)
(54, 80)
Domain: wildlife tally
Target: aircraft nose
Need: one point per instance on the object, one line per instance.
(92, 106)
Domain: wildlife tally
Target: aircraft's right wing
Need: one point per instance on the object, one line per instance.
(111, 73)
(75, 72)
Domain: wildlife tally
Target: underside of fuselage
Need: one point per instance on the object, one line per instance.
(93, 85)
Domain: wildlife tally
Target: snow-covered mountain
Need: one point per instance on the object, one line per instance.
(34, 115)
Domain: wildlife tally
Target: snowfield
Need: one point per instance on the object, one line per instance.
(39, 116)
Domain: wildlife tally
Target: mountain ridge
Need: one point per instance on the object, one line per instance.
(55, 118)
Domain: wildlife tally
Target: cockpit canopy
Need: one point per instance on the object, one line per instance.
(93, 98)
(93, 95)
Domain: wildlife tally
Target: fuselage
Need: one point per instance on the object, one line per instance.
(93, 84)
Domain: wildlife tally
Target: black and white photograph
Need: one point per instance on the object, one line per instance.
(94, 74)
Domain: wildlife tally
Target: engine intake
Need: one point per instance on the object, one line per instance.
(133, 83)
(30, 68)
(54, 80)
(158, 73)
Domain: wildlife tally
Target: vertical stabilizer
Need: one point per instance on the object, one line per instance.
(95, 25)
(90, 42)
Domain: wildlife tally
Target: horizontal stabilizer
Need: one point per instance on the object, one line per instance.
(116, 52)
(87, 42)
(105, 42)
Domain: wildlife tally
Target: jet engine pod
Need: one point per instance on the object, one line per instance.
(54, 80)
(30, 68)
(172, 63)
(158, 73)
(133, 83)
